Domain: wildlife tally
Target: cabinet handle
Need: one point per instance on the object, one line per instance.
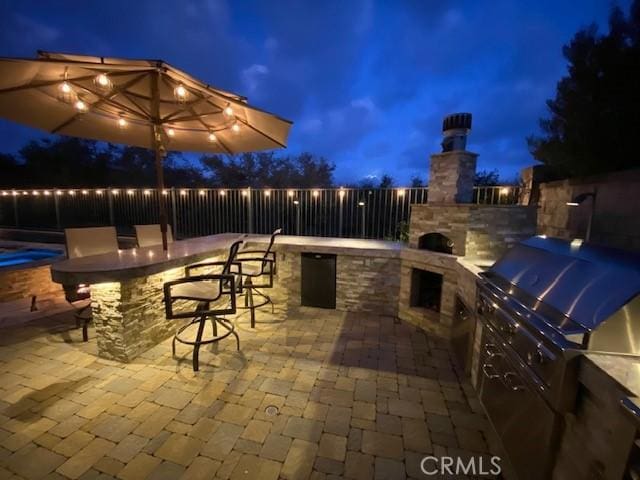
(631, 409)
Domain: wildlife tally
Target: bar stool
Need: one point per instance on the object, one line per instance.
(83, 242)
(206, 289)
(150, 235)
(258, 264)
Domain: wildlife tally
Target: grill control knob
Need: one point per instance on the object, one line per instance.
(536, 357)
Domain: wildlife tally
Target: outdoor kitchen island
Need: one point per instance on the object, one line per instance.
(127, 286)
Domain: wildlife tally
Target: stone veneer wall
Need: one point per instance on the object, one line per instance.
(479, 231)
(428, 320)
(451, 176)
(16, 284)
(363, 284)
(617, 217)
(596, 439)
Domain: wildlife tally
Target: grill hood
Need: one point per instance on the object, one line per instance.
(576, 286)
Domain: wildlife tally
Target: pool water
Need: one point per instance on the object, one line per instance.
(26, 255)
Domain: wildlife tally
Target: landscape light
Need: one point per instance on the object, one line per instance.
(296, 202)
(361, 204)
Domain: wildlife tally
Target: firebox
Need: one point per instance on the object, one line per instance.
(426, 289)
(436, 242)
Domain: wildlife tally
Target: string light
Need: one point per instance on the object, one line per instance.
(290, 193)
(212, 137)
(72, 192)
(228, 111)
(171, 132)
(401, 192)
(122, 122)
(223, 192)
(14, 193)
(202, 192)
(316, 193)
(25, 193)
(235, 127)
(165, 192)
(115, 191)
(342, 193)
(98, 192)
(47, 193)
(85, 192)
(130, 192)
(504, 190)
(4, 194)
(36, 193)
(66, 93)
(59, 192)
(245, 192)
(183, 192)
(103, 81)
(147, 192)
(81, 106)
(180, 93)
(66, 88)
(267, 193)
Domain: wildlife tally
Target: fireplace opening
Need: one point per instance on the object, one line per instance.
(426, 289)
(436, 242)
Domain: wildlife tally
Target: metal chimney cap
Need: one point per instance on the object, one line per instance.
(456, 121)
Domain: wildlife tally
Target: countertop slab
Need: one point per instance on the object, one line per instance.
(138, 262)
(624, 369)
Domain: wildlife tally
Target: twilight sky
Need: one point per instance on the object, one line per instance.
(366, 83)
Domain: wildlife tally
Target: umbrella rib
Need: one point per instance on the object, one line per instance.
(138, 106)
(100, 101)
(171, 116)
(260, 132)
(114, 103)
(188, 106)
(48, 83)
(209, 128)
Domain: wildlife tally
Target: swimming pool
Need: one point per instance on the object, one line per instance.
(26, 255)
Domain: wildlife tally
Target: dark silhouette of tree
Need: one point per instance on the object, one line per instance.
(594, 119)
(486, 178)
(416, 182)
(265, 169)
(386, 181)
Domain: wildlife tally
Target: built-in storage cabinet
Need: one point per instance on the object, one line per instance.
(318, 280)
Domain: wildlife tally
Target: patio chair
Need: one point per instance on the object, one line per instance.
(150, 235)
(206, 289)
(82, 242)
(258, 264)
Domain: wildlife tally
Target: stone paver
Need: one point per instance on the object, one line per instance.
(67, 414)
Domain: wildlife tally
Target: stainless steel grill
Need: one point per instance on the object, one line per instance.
(542, 304)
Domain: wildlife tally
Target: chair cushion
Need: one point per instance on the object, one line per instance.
(198, 290)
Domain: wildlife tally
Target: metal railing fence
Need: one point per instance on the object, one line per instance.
(337, 212)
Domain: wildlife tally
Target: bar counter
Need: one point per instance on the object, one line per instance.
(127, 286)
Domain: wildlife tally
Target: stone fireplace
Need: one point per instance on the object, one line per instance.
(450, 226)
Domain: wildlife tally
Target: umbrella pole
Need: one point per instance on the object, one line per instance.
(161, 204)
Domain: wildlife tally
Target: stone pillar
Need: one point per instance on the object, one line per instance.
(451, 176)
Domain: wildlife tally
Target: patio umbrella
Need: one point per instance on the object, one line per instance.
(144, 103)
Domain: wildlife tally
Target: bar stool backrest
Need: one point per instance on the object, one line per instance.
(233, 251)
(82, 242)
(150, 235)
(272, 241)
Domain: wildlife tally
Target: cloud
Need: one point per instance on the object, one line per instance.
(253, 75)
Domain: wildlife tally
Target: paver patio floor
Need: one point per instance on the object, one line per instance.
(357, 396)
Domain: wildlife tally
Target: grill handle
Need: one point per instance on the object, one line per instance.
(509, 382)
(487, 373)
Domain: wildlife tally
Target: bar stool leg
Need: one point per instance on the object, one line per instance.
(214, 327)
(196, 347)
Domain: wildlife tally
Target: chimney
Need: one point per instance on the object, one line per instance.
(452, 172)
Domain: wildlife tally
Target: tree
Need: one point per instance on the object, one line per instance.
(265, 169)
(416, 182)
(594, 118)
(386, 181)
(487, 178)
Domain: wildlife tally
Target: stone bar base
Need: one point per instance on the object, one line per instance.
(129, 316)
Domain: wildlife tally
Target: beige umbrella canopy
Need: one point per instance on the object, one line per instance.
(144, 103)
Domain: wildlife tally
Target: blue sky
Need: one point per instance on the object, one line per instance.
(366, 83)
